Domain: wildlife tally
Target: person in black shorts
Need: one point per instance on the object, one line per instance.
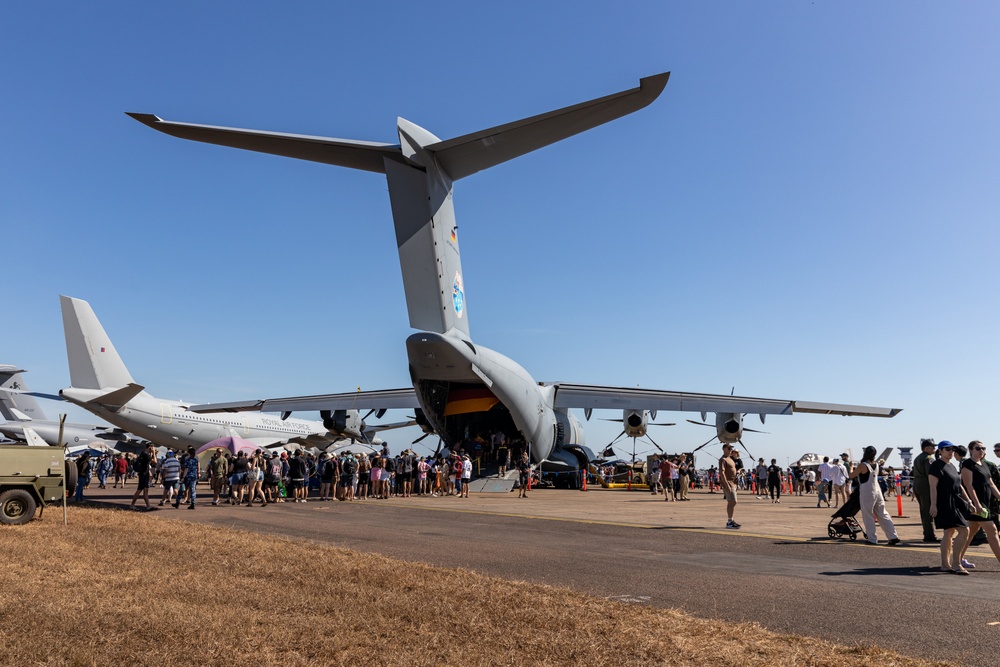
(948, 498)
(142, 466)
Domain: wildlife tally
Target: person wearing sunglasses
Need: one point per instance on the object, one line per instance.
(947, 496)
(980, 488)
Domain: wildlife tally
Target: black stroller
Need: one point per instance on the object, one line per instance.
(843, 523)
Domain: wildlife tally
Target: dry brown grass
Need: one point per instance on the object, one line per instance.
(127, 589)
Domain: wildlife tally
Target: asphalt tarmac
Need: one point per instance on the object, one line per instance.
(780, 570)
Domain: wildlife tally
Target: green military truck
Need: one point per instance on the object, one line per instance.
(32, 477)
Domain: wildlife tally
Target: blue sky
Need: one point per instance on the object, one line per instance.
(807, 212)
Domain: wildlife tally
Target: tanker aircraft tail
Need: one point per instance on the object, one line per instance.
(15, 405)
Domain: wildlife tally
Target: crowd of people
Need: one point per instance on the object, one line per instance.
(264, 477)
(956, 488)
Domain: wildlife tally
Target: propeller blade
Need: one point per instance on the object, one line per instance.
(662, 424)
(745, 449)
(368, 415)
(654, 443)
(753, 430)
(620, 421)
(691, 421)
(617, 438)
(421, 438)
(710, 441)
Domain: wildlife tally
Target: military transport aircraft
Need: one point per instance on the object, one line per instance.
(102, 385)
(458, 385)
(21, 410)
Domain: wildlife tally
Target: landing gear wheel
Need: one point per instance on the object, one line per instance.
(16, 507)
(71, 477)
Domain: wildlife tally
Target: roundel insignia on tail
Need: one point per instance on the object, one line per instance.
(458, 294)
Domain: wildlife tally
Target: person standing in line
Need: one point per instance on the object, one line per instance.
(760, 477)
(83, 470)
(191, 470)
(684, 478)
(947, 496)
(103, 468)
(170, 473)
(774, 482)
(727, 481)
(825, 474)
(218, 470)
(141, 466)
(654, 474)
(872, 500)
(666, 474)
(466, 475)
(979, 486)
(922, 487)
(524, 472)
(838, 478)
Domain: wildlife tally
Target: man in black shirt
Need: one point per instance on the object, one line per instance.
(141, 466)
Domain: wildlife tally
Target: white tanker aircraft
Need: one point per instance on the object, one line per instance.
(102, 385)
(458, 385)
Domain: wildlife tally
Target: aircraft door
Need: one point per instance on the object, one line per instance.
(246, 426)
(166, 413)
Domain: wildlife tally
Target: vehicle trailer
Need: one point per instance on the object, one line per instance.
(32, 477)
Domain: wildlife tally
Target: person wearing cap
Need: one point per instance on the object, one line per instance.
(922, 487)
(872, 502)
(466, 475)
(170, 474)
(727, 480)
(947, 496)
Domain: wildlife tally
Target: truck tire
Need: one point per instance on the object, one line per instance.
(16, 507)
(71, 477)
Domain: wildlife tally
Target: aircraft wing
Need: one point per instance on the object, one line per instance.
(386, 399)
(591, 397)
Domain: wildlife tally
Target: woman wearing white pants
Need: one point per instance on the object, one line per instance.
(872, 502)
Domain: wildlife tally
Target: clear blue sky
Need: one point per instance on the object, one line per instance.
(808, 212)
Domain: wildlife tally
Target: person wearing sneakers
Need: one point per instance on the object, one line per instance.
(727, 480)
(947, 497)
(872, 501)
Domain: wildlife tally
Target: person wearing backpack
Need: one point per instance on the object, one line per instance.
(406, 473)
(141, 467)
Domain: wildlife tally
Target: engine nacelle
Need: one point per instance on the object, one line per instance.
(729, 426)
(635, 423)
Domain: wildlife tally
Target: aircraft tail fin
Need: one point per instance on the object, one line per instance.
(93, 361)
(17, 406)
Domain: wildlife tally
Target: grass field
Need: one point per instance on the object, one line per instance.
(121, 588)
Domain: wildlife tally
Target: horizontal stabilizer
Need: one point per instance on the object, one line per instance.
(355, 400)
(846, 410)
(465, 155)
(114, 400)
(364, 155)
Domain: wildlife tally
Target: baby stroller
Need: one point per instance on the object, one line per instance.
(842, 522)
